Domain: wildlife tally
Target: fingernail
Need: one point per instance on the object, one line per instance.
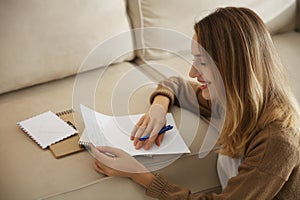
(137, 146)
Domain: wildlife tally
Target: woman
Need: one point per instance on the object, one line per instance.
(259, 141)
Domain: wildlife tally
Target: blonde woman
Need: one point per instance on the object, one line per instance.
(259, 156)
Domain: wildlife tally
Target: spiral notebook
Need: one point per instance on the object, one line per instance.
(46, 129)
(69, 145)
(115, 131)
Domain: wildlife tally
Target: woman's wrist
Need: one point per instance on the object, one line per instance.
(162, 100)
(144, 179)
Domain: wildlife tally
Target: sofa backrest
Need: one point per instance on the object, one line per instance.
(46, 40)
(298, 16)
(49, 39)
(180, 16)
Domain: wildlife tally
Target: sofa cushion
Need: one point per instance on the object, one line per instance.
(105, 188)
(205, 178)
(46, 40)
(177, 65)
(28, 172)
(288, 45)
(179, 16)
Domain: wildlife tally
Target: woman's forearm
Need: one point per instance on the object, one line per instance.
(144, 179)
(162, 100)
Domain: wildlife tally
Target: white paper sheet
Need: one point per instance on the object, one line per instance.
(115, 131)
(46, 128)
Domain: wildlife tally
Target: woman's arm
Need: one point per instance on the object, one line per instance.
(162, 100)
(144, 179)
(174, 90)
(184, 93)
(262, 175)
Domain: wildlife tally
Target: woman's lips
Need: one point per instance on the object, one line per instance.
(203, 87)
(203, 84)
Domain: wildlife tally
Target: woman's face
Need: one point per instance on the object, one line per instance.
(200, 68)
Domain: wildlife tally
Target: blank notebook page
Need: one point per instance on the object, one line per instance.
(46, 129)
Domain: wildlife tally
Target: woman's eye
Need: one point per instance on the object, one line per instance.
(197, 62)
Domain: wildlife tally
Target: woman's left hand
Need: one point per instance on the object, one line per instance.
(116, 162)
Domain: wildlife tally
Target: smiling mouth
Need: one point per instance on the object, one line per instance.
(203, 87)
(203, 84)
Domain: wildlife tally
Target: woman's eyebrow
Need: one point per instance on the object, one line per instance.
(197, 54)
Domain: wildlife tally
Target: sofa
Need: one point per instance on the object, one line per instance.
(109, 55)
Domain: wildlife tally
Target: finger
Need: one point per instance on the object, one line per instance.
(139, 134)
(141, 131)
(98, 168)
(100, 156)
(159, 139)
(138, 144)
(152, 137)
(136, 127)
(110, 150)
(93, 149)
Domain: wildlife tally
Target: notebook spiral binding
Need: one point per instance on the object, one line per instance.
(84, 143)
(65, 112)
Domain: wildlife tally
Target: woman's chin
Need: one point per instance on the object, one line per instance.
(205, 94)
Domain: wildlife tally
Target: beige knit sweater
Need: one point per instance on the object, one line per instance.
(270, 167)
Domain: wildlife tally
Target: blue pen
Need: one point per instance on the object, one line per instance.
(164, 129)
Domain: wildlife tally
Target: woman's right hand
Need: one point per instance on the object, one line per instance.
(150, 123)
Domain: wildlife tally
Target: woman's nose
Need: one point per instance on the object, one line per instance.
(194, 72)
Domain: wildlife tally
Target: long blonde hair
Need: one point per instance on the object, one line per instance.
(257, 91)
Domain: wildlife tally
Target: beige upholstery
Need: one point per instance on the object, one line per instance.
(26, 162)
(298, 16)
(278, 16)
(43, 45)
(50, 39)
(288, 45)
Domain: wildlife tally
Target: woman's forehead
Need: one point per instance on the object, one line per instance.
(195, 46)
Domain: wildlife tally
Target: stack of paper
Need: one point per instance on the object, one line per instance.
(104, 130)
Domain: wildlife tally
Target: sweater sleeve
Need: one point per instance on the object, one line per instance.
(186, 94)
(260, 176)
(160, 188)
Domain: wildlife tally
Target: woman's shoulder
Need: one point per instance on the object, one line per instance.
(275, 133)
(289, 137)
(274, 149)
